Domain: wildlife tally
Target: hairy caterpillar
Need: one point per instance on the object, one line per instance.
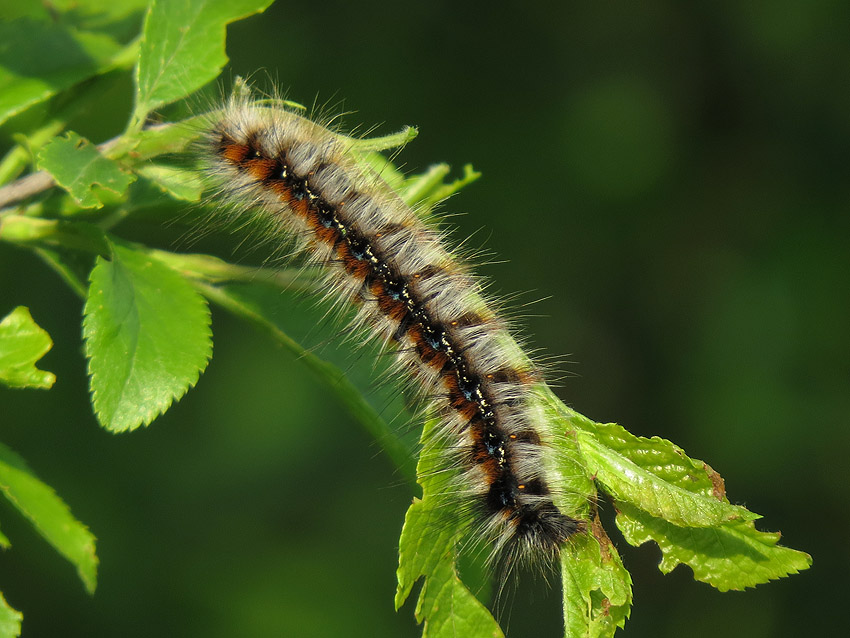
(413, 296)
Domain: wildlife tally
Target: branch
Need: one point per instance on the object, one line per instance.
(25, 187)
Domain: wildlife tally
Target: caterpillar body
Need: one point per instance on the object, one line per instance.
(413, 296)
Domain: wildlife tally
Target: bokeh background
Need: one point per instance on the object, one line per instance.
(669, 179)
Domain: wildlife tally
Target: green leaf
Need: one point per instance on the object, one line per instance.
(626, 480)
(445, 604)
(449, 609)
(22, 343)
(90, 15)
(426, 540)
(10, 620)
(733, 555)
(49, 514)
(597, 588)
(170, 138)
(122, 20)
(428, 550)
(427, 190)
(147, 337)
(38, 60)
(175, 181)
(576, 490)
(77, 166)
(664, 459)
(183, 48)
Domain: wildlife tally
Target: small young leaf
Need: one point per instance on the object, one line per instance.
(22, 343)
(51, 517)
(77, 166)
(147, 335)
(38, 60)
(10, 620)
(425, 195)
(733, 555)
(183, 47)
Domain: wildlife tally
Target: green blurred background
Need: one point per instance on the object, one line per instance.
(671, 180)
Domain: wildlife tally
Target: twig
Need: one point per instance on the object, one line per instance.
(25, 187)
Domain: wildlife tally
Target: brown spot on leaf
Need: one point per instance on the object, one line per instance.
(718, 485)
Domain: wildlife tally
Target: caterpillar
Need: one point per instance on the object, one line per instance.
(413, 296)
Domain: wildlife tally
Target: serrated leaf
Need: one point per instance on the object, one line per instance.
(428, 550)
(77, 166)
(733, 555)
(39, 59)
(147, 337)
(597, 588)
(49, 514)
(624, 480)
(22, 343)
(10, 620)
(425, 541)
(183, 47)
(445, 605)
(449, 609)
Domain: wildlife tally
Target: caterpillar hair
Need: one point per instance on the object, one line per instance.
(413, 296)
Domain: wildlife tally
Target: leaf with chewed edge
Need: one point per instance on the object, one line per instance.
(147, 336)
(428, 550)
(49, 514)
(183, 48)
(734, 555)
(597, 588)
(445, 605)
(77, 166)
(22, 343)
